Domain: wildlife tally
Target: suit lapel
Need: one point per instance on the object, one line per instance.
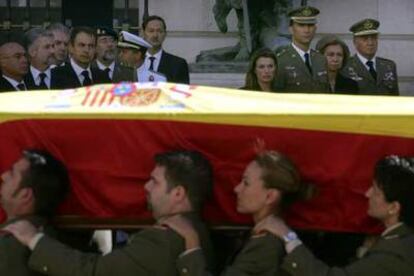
(72, 74)
(162, 67)
(7, 85)
(380, 70)
(29, 81)
(363, 70)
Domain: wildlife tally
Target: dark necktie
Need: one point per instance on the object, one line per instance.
(372, 71)
(42, 84)
(87, 80)
(21, 86)
(107, 70)
(307, 62)
(151, 67)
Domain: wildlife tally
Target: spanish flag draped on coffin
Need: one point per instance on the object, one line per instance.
(108, 134)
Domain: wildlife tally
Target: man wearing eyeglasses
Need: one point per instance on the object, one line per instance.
(31, 189)
(178, 184)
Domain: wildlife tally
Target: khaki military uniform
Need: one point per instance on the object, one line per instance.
(261, 255)
(293, 75)
(393, 254)
(387, 79)
(151, 252)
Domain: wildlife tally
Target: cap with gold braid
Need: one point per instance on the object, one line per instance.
(366, 26)
(304, 15)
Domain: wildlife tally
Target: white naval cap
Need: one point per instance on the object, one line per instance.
(128, 40)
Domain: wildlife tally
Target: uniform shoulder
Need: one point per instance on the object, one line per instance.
(282, 50)
(385, 60)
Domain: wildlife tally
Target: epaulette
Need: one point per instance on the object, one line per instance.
(281, 50)
(385, 59)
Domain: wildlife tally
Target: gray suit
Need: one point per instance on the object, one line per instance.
(393, 254)
(293, 75)
(151, 252)
(387, 79)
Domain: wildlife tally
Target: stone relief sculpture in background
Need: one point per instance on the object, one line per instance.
(261, 23)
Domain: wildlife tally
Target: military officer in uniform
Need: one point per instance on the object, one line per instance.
(390, 202)
(375, 75)
(301, 69)
(179, 184)
(132, 50)
(106, 54)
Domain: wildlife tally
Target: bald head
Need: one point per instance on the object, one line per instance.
(13, 61)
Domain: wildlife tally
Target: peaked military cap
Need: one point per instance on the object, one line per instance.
(128, 40)
(304, 15)
(366, 26)
(105, 31)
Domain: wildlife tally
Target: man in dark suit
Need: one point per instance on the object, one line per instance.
(375, 75)
(179, 184)
(77, 71)
(14, 66)
(31, 189)
(40, 50)
(106, 54)
(173, 67)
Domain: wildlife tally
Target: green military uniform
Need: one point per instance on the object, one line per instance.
(151, 252)
(261, 255)
(14, 255)
(386, 82)
(121, 73)
(393, 254)
(293, 75)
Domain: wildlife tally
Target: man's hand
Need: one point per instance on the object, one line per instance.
(273, 225)
(22, 230)
(184, 228)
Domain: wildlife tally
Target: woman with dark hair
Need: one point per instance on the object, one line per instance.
(391, 201)
(336, 53)
(269, 184)
(262, 71)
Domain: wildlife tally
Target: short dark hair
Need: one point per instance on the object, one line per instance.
(77, 30)
(191, 170)
(151, 18)
(49, 180)
(279, 172)
(394, 175)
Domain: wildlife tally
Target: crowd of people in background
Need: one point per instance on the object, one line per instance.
(59, 58)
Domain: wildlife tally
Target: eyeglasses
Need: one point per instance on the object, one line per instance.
(402, 162)
(34, 158)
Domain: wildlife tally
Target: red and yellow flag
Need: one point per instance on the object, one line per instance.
(107, 136)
